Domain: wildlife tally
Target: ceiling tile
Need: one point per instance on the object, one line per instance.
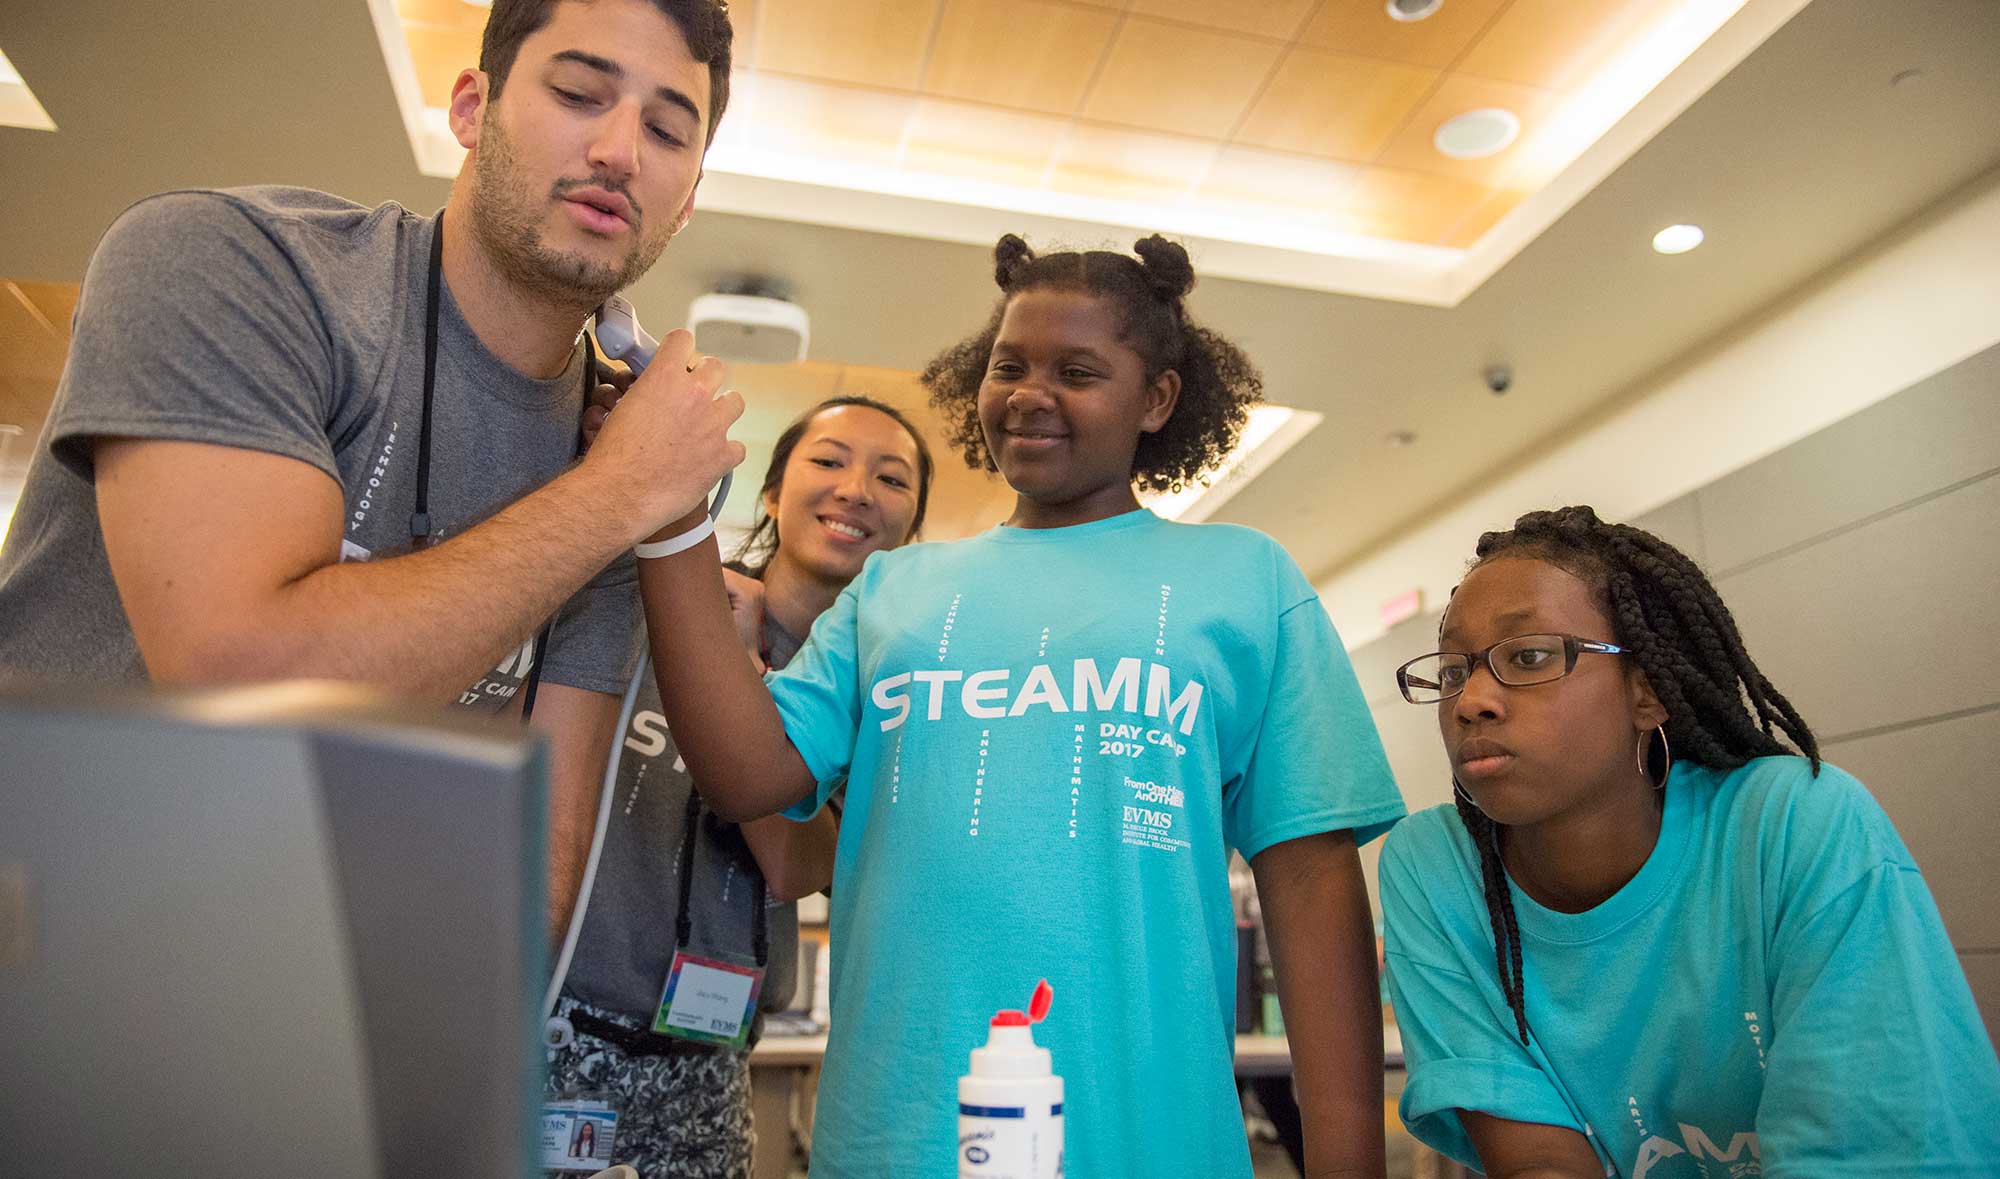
(1263, 18)
(1365, 27)
(450, 14)
(742, 34)
(1115, 164)
(1331, 104)
(867, 42)
(1029, 54)
(842, 123)
(1413, 147)
(980, 143)
(1173, 78)
(1407, 206)
(440, 52)
(1556, 44)
(1476, 223)
(1261, 183)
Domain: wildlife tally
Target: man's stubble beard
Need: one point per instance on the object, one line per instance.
(507, 221)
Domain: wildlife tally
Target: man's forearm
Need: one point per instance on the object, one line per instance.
(427, 623)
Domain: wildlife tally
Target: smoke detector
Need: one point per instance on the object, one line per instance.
(750, 321)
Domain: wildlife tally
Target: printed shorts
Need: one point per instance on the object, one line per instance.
(679, 1117)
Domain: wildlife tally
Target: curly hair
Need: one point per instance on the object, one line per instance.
(1218, 382)
(1721, 710)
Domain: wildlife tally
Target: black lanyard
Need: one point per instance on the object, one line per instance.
(760, 919)
(420, 517)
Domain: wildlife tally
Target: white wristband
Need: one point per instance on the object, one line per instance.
(677, 544)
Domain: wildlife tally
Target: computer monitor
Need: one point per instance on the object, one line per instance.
(292, 931)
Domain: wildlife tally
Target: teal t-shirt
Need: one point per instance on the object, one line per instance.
(1773, 994)
(1051, 739)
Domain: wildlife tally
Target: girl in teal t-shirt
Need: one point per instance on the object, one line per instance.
(1051, 735)
(1651, 941)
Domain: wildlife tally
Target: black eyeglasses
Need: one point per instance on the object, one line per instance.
(1517, 662)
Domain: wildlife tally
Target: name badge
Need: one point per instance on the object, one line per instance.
(709, 999)
(578, 1135)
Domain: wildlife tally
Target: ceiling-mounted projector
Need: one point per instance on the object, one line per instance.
(750, 322)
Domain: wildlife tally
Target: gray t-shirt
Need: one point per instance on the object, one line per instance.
(288, 321)
(627, 943)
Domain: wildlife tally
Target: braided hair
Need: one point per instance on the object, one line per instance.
(1721, 710)
(1218, 382)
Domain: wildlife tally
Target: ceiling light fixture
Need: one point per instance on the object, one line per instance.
(1270, 432)
(1678, 239)
(1407, 10)
(1475, 135)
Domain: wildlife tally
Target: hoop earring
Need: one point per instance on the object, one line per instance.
(1459, 791)
(1666, 756)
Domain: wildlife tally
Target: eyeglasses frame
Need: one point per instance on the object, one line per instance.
(1573, 646)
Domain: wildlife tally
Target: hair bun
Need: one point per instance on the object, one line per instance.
(1166, 264)
(1010, 256)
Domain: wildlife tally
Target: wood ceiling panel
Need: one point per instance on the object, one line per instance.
(845, 123)
(867, 42)
(1476, 223)
(32, 349)
(449, 14)
(1365, 27)
(980, 143)
(1129, 165)
(1336, 105)
(440, 52)
(1407, 206)
(1555, 44)
(1260, 182)
(1172, 78)
(1027, 54)
(1264, 18)
(1412, 146)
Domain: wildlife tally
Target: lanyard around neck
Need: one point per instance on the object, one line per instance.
(760, 918)
(420, 517)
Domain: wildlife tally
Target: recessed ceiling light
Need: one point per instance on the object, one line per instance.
(1475, 135)
(1677, 239)
(1413, 9)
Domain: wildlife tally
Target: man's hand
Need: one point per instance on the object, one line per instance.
(746, 608)
(655, 457)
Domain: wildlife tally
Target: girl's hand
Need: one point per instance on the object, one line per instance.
(746, 609)
(612, 386)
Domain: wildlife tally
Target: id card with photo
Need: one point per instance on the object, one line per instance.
(709, 999)
(578, 1135)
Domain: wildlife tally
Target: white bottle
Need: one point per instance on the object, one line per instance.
(1010, 1120)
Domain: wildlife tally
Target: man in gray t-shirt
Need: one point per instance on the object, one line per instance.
(228, 488)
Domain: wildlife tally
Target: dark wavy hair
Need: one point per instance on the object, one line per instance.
(1218, 382)
(1721, 710)
(753, 556)
(704, 25)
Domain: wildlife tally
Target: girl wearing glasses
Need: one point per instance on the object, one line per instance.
(1651, 940)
